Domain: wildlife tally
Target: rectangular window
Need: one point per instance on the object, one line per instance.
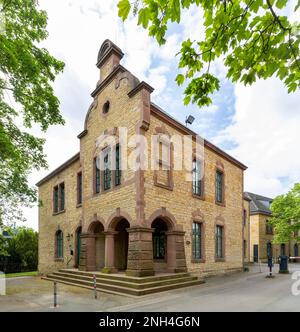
(118, 172)
(197, 181)
(219, 187)
(59, 244)
(219, 242)
(79, 188)
(269, 228)
(97, 177)
(244, 217)
(62, 196)
(55, 199)
(107, 171)
(59, 198)
(197, 241)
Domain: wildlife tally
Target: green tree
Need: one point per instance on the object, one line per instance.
(250, 36)
(286, 215)
(26, 247)
(26, 97)
(3, 246)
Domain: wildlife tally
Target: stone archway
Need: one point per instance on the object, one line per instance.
(121, 244)
(168, 246)
(117, 242)
(159, 243)
(92, 251)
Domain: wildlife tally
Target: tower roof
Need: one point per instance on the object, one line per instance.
(107, 48)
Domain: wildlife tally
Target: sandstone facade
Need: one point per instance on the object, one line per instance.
(145, 224)
(262, 236)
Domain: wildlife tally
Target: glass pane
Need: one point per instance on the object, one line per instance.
(62, 196)
(118, 166)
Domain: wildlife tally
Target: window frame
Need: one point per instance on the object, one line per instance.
(245, 216)
(222, 187)
(220, 258)
(59, 198)
(200, 181)
(59, 245)
(118, 171)
(107, 172)
(79, 188)
(201, 245)
(161, 236)
(97, 177)
(166, 165)
(269, 228)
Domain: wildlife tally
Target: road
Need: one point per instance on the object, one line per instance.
(247, 291)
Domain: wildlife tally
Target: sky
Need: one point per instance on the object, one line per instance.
(258, 124)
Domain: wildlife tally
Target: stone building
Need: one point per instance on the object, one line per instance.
(140, 221)
(262, 234)
(246, 230)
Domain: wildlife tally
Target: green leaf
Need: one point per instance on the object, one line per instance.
(175, 10)
(281, 3)
(180, 79)
(144, 15)
(297, 6)
(124, 9)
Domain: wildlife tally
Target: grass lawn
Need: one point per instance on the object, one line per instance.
(22, 274)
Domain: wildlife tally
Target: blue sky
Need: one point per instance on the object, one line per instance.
(258, 125)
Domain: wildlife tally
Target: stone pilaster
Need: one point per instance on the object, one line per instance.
(175, 251)
(140, 252)
(110, 250)
(87, 260)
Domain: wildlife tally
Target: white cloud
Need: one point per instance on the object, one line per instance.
(266, 130)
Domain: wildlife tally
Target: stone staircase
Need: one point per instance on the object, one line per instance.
(121, 284)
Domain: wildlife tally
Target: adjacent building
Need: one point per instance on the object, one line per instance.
(262, 233)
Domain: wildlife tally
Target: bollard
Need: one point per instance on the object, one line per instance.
(95, 286)
(55, 294)
(270, 265)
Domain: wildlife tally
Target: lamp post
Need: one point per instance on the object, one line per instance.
(189, 120)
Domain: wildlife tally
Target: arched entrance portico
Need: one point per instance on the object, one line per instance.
(159, 242)
(93, 248)
(116, 244)
(121, 244)
(168, 246)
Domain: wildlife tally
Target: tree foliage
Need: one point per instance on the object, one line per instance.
(26, 97)
(21, 250)
(286, 215)
(250, 36)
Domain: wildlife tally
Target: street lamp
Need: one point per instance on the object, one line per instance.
(189, 120)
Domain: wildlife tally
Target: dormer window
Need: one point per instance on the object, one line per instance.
(105, 108)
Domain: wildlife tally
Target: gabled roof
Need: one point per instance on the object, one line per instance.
(59, 169)
(259, 204)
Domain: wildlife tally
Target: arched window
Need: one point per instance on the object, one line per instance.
(105, 108)
(159, 239)
(59, 244)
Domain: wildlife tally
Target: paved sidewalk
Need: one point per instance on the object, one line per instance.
(248, 291)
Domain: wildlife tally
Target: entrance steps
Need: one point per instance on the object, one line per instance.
(124, 285)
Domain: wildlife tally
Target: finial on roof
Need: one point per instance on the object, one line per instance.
(106, 49)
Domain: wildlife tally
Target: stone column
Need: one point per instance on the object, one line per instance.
(88, 252)
(175, 252)
(110, 250)
(140, 252)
